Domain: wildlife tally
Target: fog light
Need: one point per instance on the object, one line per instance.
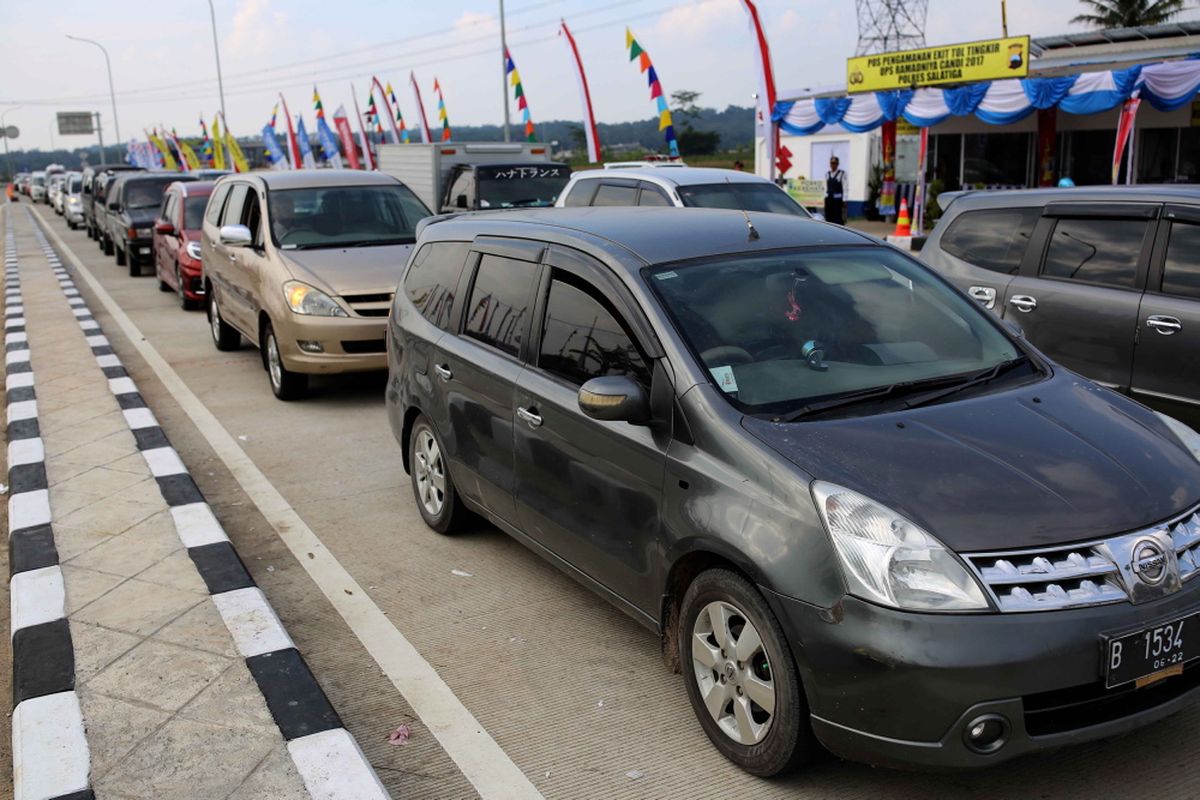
(310, 346)
(986, 734)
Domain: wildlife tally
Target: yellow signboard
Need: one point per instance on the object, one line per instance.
(931, 66)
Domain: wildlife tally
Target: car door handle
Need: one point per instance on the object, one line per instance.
(984, 295)
(233, 257)
(1023, 302)
(530, 415)
(443, 371)
(1164, 325)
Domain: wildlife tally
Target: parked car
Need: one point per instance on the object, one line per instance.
(209, 174)
(72, 200)
(21, 181)
(1105, 280)
(177, 241)
(859, 510)
(304, 265)
(697, 187)
(131, 204)
(37, 187)
(95, 180)
(54, 191)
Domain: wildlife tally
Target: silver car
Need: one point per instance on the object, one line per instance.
(71, 199)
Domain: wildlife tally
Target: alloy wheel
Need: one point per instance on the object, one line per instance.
(214, 319)
(733, 673)
(179, 286)
(274, 364)
(430, 473)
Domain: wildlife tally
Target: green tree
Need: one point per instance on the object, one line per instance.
(685, 104)
(1128, 13)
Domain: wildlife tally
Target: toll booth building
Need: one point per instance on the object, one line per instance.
(1060, 121)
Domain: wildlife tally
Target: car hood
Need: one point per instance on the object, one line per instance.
(1059, 461)
(350, 270)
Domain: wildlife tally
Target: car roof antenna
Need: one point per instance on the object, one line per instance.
(749, 224)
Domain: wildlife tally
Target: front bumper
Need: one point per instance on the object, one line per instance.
(348, 344)
(142, 246)
(192, 275)
(899, 689)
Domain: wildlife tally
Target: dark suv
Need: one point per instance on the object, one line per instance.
(1104, 280)
(95, 180)
(857, 508)
(133, 202)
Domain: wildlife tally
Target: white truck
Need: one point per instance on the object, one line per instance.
(473, 176)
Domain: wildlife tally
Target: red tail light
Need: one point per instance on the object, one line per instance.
(131, 233)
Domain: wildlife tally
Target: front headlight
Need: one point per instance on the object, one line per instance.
(1187, 437)
(889, 560)
(304, 299)
(193, 250)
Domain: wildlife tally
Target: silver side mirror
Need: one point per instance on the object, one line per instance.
(236, 236)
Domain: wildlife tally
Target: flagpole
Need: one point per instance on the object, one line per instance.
(217, 52)
(504, 73)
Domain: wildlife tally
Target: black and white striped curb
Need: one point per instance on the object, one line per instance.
(325, 754)
(50, 750)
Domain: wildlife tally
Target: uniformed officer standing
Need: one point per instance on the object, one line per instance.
(835, 187)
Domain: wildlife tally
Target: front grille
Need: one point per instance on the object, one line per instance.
(363, 346)
(1080, 706)
(1071, 576)
(196, 284)
(369, 305)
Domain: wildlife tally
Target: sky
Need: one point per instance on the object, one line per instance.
(165, 74)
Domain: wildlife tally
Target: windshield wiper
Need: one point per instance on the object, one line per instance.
(977, 380)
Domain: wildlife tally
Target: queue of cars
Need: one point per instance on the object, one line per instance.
(863, 512)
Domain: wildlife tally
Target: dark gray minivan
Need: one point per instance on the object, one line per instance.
(858, 509)
(1103, 279)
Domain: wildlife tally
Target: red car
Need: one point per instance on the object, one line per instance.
(177, 241)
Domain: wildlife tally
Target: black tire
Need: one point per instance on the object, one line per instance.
(107, 246)
(225, 337)
(184, 303)
(163, 286)
(285, 384)
(789, 741)
(121, 258)
(452, 514)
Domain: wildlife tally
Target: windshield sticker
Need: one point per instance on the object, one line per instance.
(666, 276)
(724, 378)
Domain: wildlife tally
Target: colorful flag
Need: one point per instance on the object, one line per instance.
(325, 135)
(665, 123)
(275, 152)
(384, 111)
(164, 152)
(218, 144)
(585, 95)
(368, 156)
(1125, 123)
(342, 123)
(399, 117)
(206, 148)
(442, 118)
(426, 135)
(293, 146)
(514, 78)
(766, 92)
(186, 153)
(307, 159)
(236, 156)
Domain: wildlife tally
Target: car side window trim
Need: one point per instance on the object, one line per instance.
(519, 249)
(1162, 243)
(1141, 270)
(475, 259)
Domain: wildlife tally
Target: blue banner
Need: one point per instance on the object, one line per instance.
(328, 140)
(274, 149)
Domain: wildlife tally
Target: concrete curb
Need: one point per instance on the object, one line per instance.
(329, 760)
(49, 747)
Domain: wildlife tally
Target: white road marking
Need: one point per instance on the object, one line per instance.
(108, 360)
(482, 761)
(122, 385)
(163, 461)
(16, 356)
(37, 596)
(50, 751)
(26, 451)
(137, 417)
(322, 760)
(24, 409)
(17, 380)
(252, 621)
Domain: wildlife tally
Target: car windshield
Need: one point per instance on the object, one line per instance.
(782, 331)
(741, 197)
(38, 180)
(193, 212)
(76, 185)
(344, 216)
(145, 194)
(520, 186)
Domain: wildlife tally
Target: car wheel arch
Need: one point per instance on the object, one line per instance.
(410, 417)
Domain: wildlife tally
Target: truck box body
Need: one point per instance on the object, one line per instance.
(426, 168)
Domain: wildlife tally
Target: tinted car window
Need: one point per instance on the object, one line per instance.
(498, 310)
(252, 217)
(233, 206)
(652, 196)
(213, 213)
(521, 186)
(193, 212)
(612, 195)
(1181, 271)
(995, 239)
(582, 338)
(581, 193)
(144, 194)
(1103, 251)
(741, 197)
(342, 216)
(433, 278)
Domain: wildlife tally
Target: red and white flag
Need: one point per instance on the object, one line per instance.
(341, 123)
(368, 156)
(426, 136)
(766, 84)
(293, 145)
(589, 117)
(1129, 111)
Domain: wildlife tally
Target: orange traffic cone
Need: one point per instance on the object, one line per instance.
(903, 225)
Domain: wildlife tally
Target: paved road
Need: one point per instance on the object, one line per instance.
(574, 693)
